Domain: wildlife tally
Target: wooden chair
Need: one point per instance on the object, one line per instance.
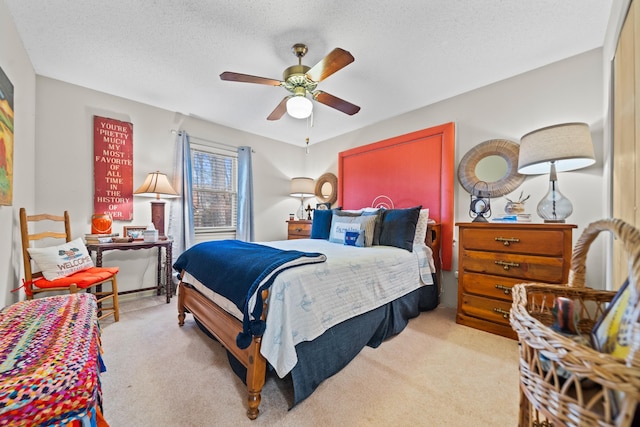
(91, 278)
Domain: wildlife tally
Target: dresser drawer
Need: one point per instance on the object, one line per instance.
(488, 286)
(535, 242)
(299, 229)
(492, 310)
(527, 267)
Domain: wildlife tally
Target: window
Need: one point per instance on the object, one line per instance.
(215, 186)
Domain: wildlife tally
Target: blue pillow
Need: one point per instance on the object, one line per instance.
(398, 227)
(321, 225)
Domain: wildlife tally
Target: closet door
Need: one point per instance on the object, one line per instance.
(626, 134)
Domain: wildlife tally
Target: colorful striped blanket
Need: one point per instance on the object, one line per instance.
(50, 362)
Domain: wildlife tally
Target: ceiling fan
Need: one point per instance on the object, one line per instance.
(301, 80)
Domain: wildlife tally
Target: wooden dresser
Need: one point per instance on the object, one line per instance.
(299, 229)
(493, 257)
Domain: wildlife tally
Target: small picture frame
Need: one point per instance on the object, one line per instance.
(323, 206)
(134, 231)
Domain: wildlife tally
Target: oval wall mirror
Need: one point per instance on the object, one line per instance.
(494, 162)
(326, 190)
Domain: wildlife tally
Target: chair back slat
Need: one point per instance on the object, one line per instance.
(41, 217)
(47, 234)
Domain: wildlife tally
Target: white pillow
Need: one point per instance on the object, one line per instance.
(421, 227)
(63, 260)
(341, 224)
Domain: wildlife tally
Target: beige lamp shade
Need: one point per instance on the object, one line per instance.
(155, 185)
(302, 187)
(568, 145)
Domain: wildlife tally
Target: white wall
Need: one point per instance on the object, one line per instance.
(64, 166)
(16, 65)
(569, 90)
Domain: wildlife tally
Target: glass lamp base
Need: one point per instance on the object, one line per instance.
(554, 207)
(300, 211)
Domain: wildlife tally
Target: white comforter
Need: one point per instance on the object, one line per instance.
(306, 301)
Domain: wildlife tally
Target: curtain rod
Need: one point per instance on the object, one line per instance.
(229, 146)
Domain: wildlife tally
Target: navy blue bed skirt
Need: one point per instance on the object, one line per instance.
(330, 352)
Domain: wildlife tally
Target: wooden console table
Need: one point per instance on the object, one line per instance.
(99, 248)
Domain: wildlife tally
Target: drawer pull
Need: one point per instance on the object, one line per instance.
(507, 265)
(505, 313)
(505, 289)
(298, 229)
(507, 240)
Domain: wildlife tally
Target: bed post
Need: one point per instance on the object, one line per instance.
(257, 368)
(256, 372)
(181, 314)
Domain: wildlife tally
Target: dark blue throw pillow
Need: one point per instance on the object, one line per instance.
(398, 227)
(321, 225)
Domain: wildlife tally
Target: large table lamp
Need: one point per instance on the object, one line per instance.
(157, 185)
(302, 187)
(553, 149)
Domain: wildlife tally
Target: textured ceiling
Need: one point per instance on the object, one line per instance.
(408, 54)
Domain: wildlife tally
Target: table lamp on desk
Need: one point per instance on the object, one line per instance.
(156, 185)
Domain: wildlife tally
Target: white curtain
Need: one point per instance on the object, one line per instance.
(181, 218)
(244, 228)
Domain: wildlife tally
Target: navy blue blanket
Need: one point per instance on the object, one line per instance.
(238, 270)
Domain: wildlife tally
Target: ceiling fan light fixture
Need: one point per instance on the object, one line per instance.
(299, 107)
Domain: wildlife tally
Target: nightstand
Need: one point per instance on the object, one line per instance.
(493, 257)
(299, 229)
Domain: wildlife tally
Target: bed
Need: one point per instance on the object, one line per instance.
(320, 340)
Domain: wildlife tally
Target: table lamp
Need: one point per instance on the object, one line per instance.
(155, 185)
(557, 148)
(302, 187)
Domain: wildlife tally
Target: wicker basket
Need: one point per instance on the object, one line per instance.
(576, 385)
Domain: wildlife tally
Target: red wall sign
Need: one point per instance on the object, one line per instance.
(113, 168)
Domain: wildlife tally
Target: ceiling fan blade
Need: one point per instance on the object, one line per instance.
(335, 102)
(280, 110)
(246, 78)
(334, 61)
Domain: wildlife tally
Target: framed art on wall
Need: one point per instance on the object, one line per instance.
(6, 140)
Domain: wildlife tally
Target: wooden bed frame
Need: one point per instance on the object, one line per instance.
(422, 173)
(226, 328)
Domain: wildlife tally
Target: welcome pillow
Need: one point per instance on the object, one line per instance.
(63, 260)
(341, 224)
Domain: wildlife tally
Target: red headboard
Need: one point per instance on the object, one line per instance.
(412, 169)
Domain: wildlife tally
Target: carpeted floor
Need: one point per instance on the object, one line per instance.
(435, 373)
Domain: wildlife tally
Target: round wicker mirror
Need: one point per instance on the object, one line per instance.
(326, 190)
(484, 160)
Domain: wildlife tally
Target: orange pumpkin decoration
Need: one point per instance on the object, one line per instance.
(101, 223)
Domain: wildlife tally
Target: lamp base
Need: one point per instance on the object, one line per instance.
(300, 211)
(157, 217)
(554, 208)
